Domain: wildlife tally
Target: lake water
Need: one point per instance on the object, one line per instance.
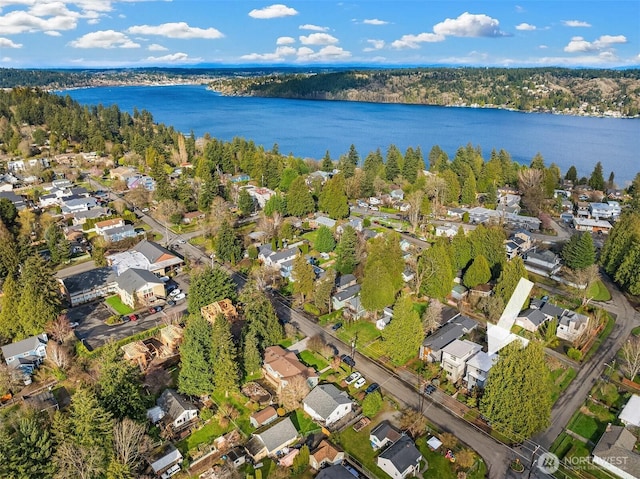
(309, 128)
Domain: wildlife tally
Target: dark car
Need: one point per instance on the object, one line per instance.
(429, 389)
(155, 309)
(336, 326)
(125, 319)
(372, 387)
(348, 360)
(171, 302)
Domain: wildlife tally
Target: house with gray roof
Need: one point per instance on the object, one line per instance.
(337, 471)
(455, 356)
(165, 461)
(327, 404)
(571, 325)
(478, 367)
(339, 299)
(344, 281)
(88, 286)
(17, 200)
(383, 434)
(531, 319)
(113, 235)
(432, 346)
(177, 411)
(139, 287)
(615, 453)
(271, 440)
(26, 355)
(546, 262)
(322, 221)
(401, 459)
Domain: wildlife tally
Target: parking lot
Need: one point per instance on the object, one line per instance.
(94, 332)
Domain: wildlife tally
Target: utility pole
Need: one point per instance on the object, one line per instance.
(533, 456)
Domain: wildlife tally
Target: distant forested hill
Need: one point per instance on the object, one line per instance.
(585, 92)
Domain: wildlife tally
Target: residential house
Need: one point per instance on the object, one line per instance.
(591, 225)
(269, 442)
(281, 366)
(571, 325)
(192, 217)
(62, 183)
(74, 204)
(353, 308)
(17, 166)
(447, 230)
(320, 220)
(223, 307)
(401, 459)
(120, 233)
(397, 194)
(26, 355)
(171, 336)
(531, 319)
(81, 217)
(337, 471)
(146, 255)
(263, 417)
(122, 173)
(318, 176)
(545, 262)
(241, 178)
(17, 200)
(581, 210)
(408, 275)
(275, 259)
(609, 210)
(261, 195)
(615, 453)
(324, 455)
(455, 356)
(630, 414)
(432, 346)
(165, 461)
(139, 287)
(340, 298)
(478, 367)
(387, 316)
(141, 181)
(383, 434)
(455, 213)
(103, 226)
(353, 221)
(84, 287)
(327, 404)
(344, 281)
(178, 412)
(518, 243)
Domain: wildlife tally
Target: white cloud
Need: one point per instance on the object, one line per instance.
(605, 42)
(104, 39)
(520, 9)
(525, 27)
(374, 21)
(154, 47)
(173, 58)
(575, 23)
(318, 39)
(469, 25)
(328, 53)
(313, 28)
(273, 11)
(279, 55)
(414, 41)
(176, 30)
(542, 47)
(52, 33)
(285, 41)
(20, 21)
(375, 45)
(6, 43)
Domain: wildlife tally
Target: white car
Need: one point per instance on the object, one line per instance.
(359, 383)
(354, 376)
(175, 293)
(74, 324)
(165, 279)
(179, 297)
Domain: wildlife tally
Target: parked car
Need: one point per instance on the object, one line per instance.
(359, 383)
(171, 287)
(353, 377)
(165, 279)
(429, 389)
(348, 360)
(179, 297)
(133, 317)
(336, 326)
(175, 293)
(125, 319)
(155, 309)
(171, 303)
(74, 325)
(372, 387)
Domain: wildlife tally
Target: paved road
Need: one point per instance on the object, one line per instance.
(76, 269)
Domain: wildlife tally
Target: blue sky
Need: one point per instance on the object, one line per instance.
(138, 33)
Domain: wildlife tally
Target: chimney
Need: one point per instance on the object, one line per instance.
(608, 427)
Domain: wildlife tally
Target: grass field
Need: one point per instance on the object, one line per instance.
(311, 359)
(587, 427)
(118, 306)
(599, 292)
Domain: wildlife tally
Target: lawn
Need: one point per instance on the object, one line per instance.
(604, 334)
(587, 427)
(364, 331)
(358, 446)
(303, 423)
(206, 434)
(311, 236)
(599, 292)
(561, 379)
(312, 359)
(117, 305)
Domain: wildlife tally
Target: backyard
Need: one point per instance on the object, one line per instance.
(116, 304)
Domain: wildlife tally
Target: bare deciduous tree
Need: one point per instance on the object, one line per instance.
(218, 214)
(432, 316)
(530, 184)
(293, 393)
(59, 355)
(129, 442)
(584, 277)
(60, 328)
(415, 203)
(631, 356)
(77, 461)
(139, 197)
(414, 422)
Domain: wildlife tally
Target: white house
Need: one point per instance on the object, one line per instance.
(177, 410)
(327, 404)
(455, 356)
(447, 230)
(383, 434)
(478, 367)
(571, 325)
(545, 262)
(591, 225)
(387, 315)
(165, 461)
(630, 415)
(401, 459)
(26, 355)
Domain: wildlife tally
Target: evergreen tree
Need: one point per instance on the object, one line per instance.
(34, 447)
(301, 461)
(579, 252)
(572, 174)
(303, 277)
(196, 354)
(322, 291)
(468, 193)
(517, 397)
(299, 199)
(276, 203)
(8, 212)
(403, 335)
(413, 162)
(509, 278)
(260, 316)
(287, 177)
(392, 166)
(621, 253)
(596, 180)
(477, 273)
(118, 388)
(327, 164)
(333, 199)
(436, 261)
(452, 190)
(251, 356)
(438, 159)
(372, 404)
(9, 252)
(346, 258)
(9, 327)
(223, 358)
(39, 299)
(489, 242)
(325, 241)
(58, 245)
(461, 246)
(245, 203)
(228, 245)
(377, 288)
(209, 285)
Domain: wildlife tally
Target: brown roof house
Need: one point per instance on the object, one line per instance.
(223, 307)
(280, 366)
(325, 454)
(263, 417)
